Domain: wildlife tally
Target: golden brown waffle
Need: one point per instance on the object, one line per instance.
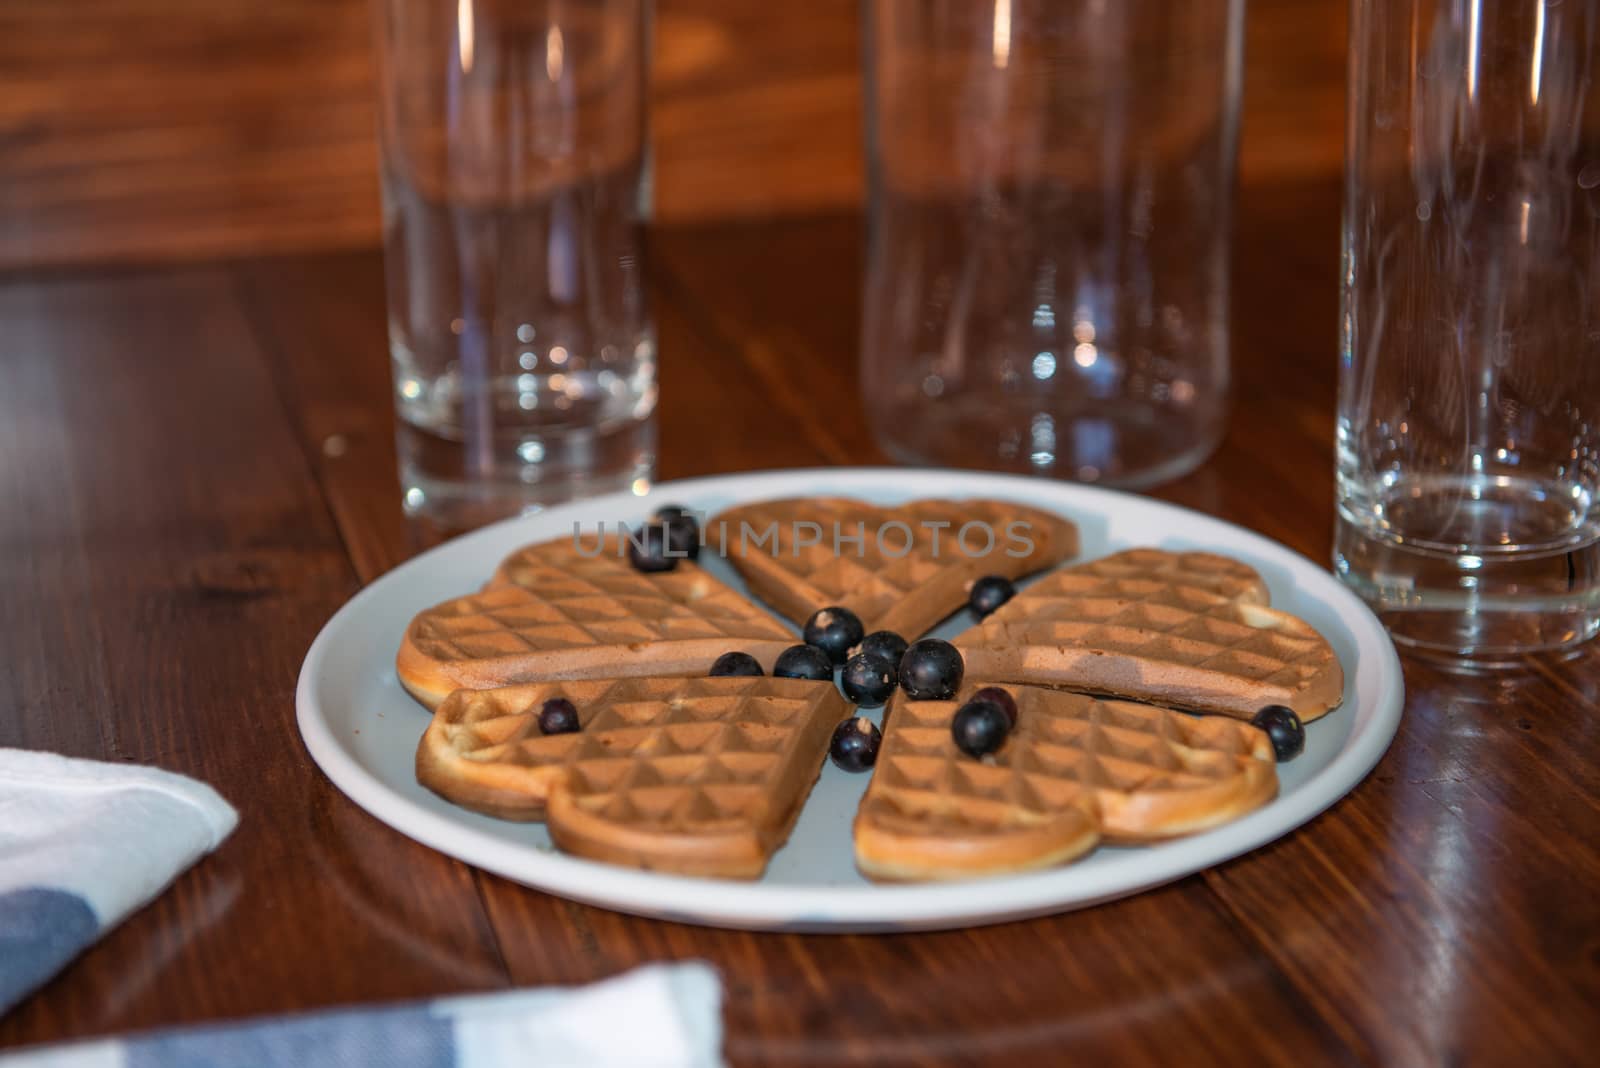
(915, 577)
(1189, 630)
(1074, 770)
(558, 614)
(695, 776)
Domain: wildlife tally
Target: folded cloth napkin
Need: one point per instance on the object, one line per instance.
(82, 844)
(661, 1016)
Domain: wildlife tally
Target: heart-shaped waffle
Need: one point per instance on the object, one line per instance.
(1187, 630)
(561, 610)
(1073, 771)
(695, 776)
(901, 568)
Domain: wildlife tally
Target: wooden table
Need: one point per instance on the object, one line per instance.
(196, 470)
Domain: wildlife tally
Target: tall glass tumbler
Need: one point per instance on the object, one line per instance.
(1469, 403)
(515, 186)
(1051, 188)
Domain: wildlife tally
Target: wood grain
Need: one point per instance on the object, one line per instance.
(816, 999)
(575, 943)
(1432, 886)
(180, 554)
(1073, 986)
(168, 558)
(134, 131)
(197, 468)
(160, 129)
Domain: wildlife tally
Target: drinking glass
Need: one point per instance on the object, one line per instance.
(1469, 402)
(515, 186)
(1051, 189)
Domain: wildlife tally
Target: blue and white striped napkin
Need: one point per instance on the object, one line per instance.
(662, 1016)
(82, 844)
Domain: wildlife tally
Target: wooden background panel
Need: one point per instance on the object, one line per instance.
(140, 130)
(158, 129)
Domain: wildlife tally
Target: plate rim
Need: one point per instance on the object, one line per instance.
(875, 907)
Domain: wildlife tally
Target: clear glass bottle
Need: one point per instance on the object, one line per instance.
(1469, 405)
(515, 181)
(1051, 188)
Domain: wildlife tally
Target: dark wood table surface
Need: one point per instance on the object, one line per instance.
(197, 469)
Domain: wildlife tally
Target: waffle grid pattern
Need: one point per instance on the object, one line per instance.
(1193, 610)
(679, 755)
(549, 597)
(1067, 750)
(866, 578)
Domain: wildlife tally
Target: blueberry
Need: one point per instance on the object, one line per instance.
(931, 670)
(855, 744)
(647, 549)
(558, 716)
(979, 728)
(989, 593)
(867, 680)
(884, 643)
(803, 662)
(736, 664)
(834, 630)
(683, 530)
(1284, 728)
(996, 696)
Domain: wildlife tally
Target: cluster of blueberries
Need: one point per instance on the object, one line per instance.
(873, 665)
(929, 669)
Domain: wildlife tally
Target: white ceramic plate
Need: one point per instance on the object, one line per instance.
(362, 728)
